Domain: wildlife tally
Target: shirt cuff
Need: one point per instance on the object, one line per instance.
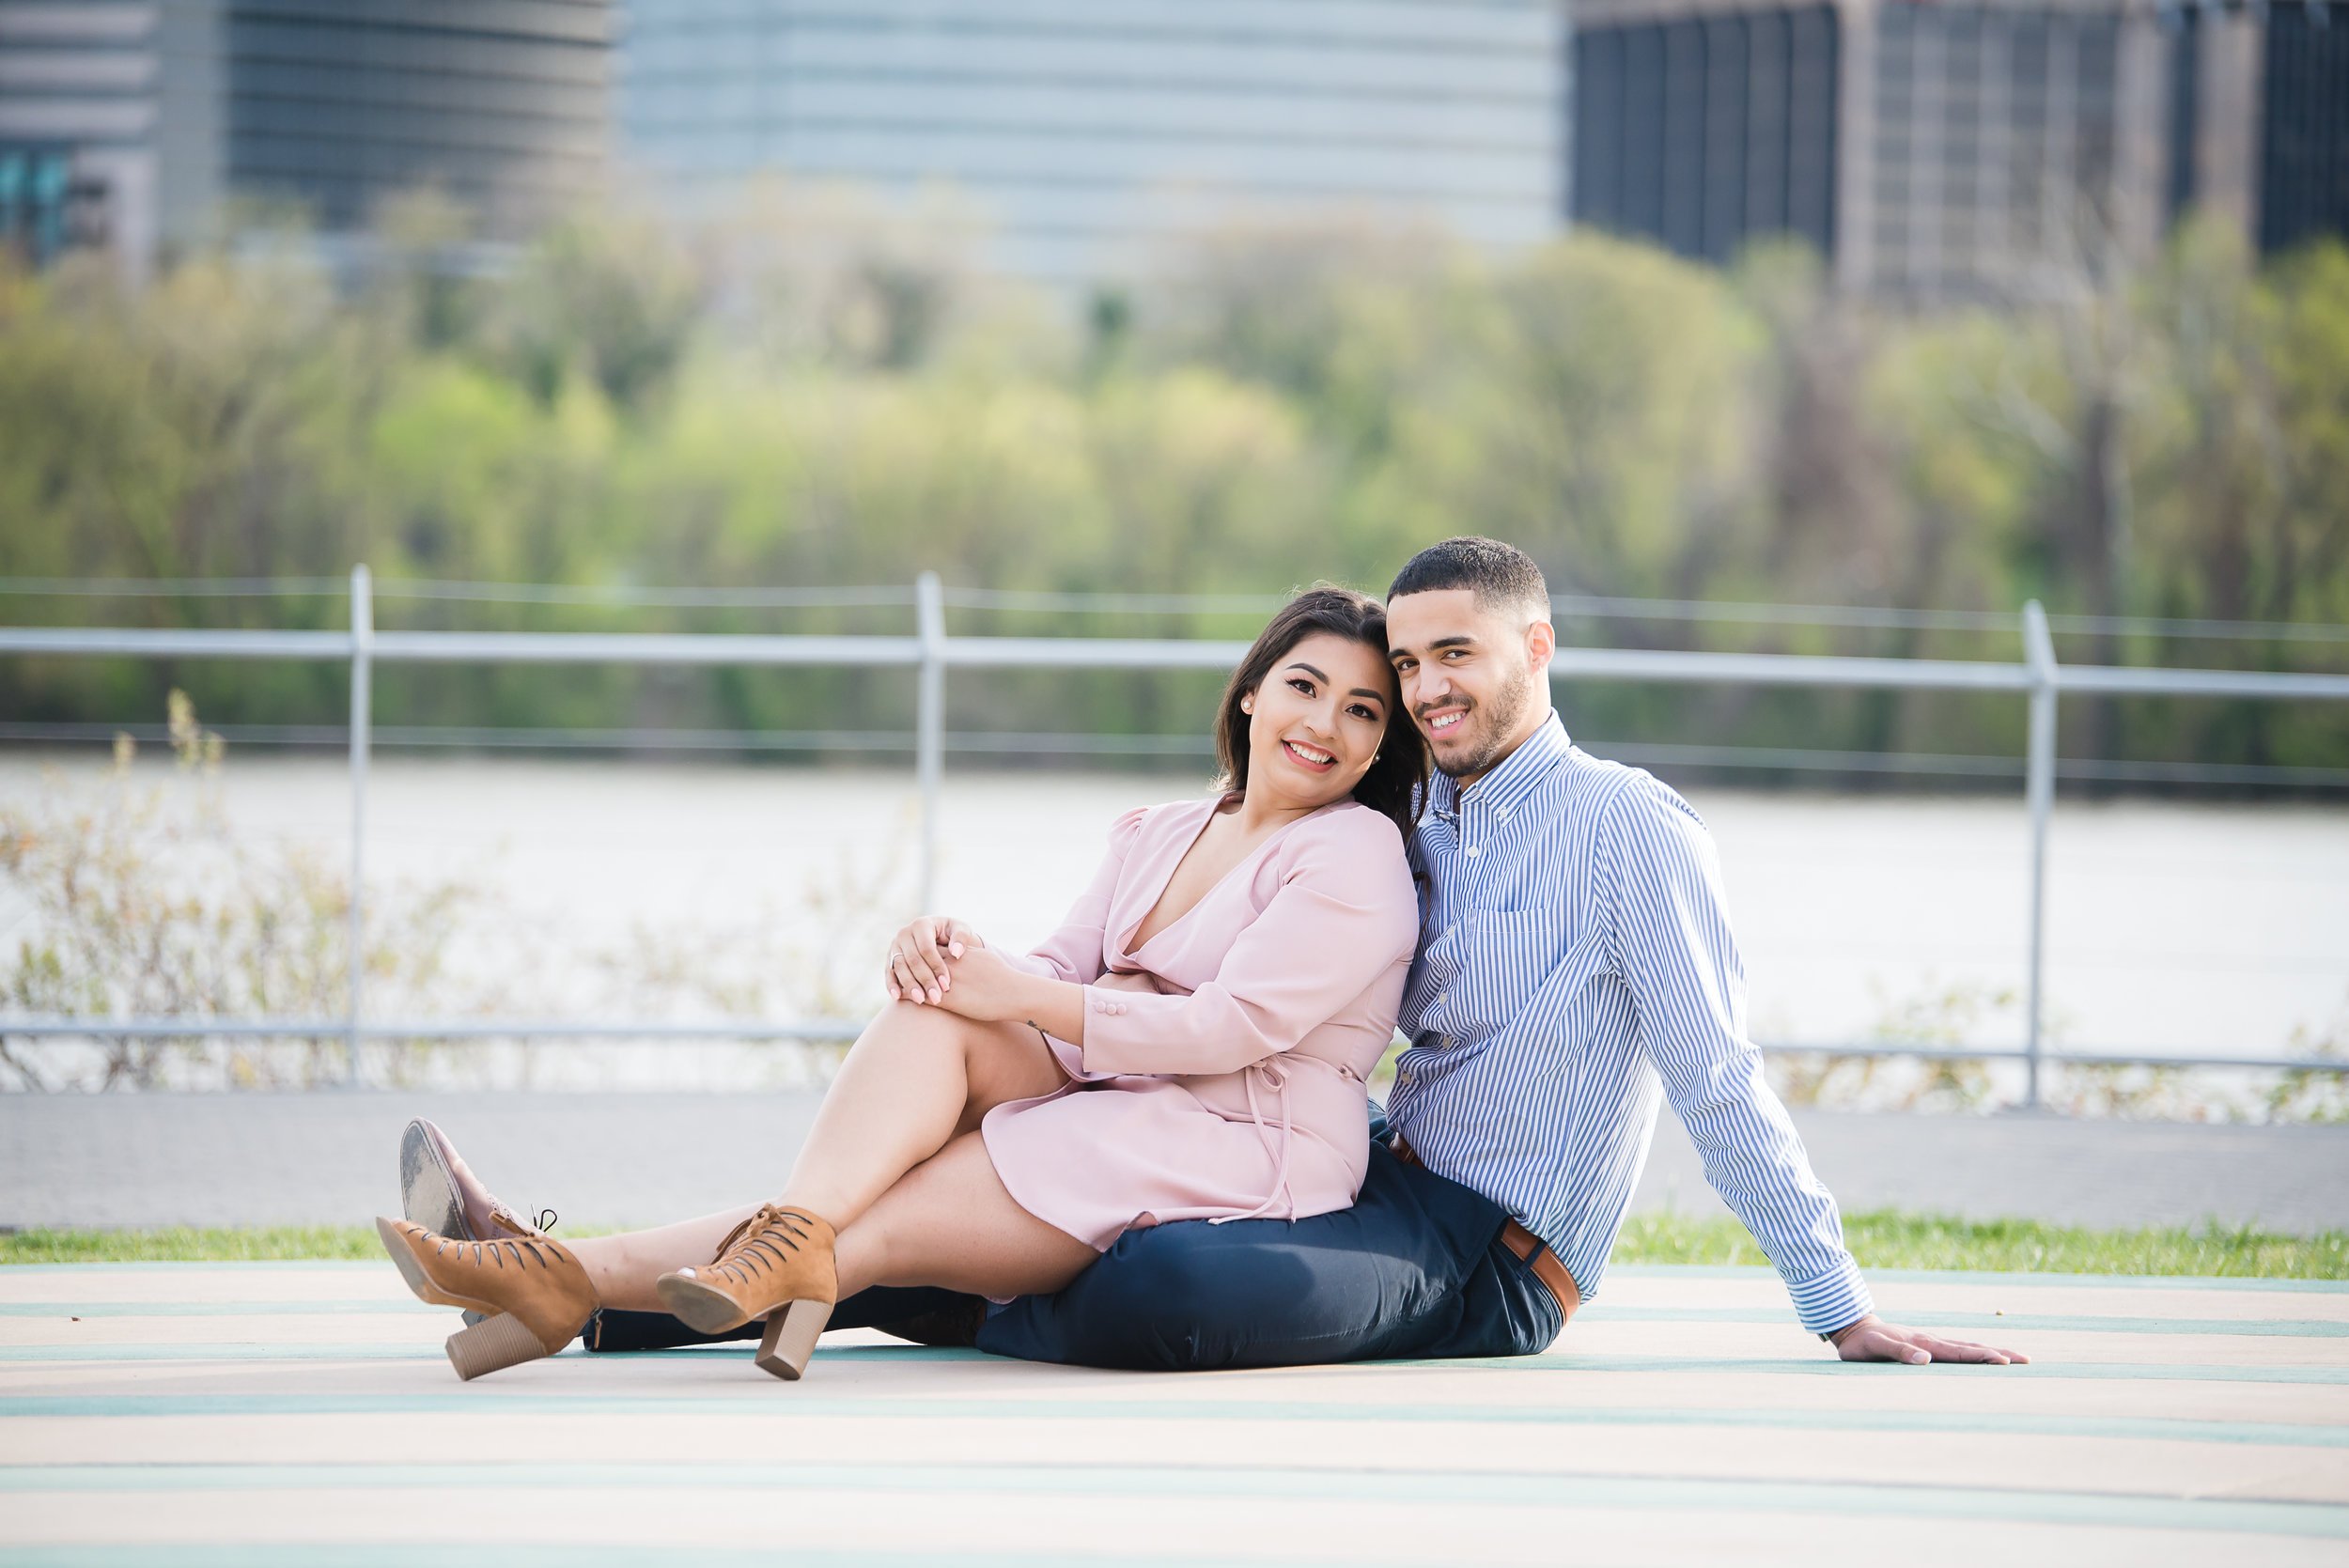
(1106, 1049)
(1833, 1301)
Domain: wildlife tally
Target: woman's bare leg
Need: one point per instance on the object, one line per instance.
(950, 1222)
(916, 1077)
(624, 1267)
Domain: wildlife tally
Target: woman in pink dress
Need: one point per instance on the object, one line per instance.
(1191, 1043)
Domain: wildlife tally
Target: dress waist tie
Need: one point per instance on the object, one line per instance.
(1276, 1077)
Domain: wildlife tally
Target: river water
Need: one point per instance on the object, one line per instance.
(2220, 929)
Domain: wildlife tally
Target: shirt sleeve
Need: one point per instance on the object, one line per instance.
(1346, 911)
(1074, 951)
(1673, 949)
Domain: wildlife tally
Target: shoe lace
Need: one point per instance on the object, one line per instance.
(765, 1242)
(543, 1223)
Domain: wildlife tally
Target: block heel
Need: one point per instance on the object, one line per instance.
(774, 1267)
(790, 1338)
(493, 1344)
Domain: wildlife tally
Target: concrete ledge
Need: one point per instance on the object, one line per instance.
(140, 1160)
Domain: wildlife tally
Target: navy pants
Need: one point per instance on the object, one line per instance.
(1415, 1268)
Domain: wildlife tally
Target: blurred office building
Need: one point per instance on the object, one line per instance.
(146, 127)
(1938, 151)
(1931, 151)
(80, 91)
(1084, 131)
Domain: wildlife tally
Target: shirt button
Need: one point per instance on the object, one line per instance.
(1403, 1077)
(1472, 849)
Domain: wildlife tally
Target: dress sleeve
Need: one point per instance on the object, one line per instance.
(1074, 951)
(1346, 911)
(1672, 947)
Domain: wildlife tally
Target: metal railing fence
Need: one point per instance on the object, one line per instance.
(2039, 678)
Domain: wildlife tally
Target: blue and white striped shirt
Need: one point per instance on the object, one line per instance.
(1575, 957)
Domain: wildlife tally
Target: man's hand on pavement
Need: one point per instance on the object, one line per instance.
(1872, 1339)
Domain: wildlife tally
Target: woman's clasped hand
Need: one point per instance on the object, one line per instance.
(918, 967)
(968, 979)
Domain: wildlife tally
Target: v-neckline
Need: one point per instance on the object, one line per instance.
(1126, 944)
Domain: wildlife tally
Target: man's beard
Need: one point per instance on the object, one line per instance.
(1496, 722)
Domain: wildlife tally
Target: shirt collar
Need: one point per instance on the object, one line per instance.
(1515, 779)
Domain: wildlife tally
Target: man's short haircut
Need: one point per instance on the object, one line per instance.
(1501, 575)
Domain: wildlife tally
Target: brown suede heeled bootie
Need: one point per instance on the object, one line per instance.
(534, 1295)
(776, 1264)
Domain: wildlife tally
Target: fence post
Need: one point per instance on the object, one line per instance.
(362, 662)
(2038, 791)
(929, 742)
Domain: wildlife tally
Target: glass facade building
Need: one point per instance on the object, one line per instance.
(335, 104)
(1996, 146)
(1706, 130)
(1990, 148)
(139, 125)
(1085, 130)
(2304, 123)
(79, 120)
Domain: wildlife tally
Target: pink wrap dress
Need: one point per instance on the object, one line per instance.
(1222, 1074)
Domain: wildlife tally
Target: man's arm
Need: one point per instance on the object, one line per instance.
(1675, 950)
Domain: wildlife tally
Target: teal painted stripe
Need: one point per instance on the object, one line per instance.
(2317, 1329)
(799, 1405)
(184, 1265)
(1644, 1271)
(1300, 1485)
(213, 1308)
(1991, 1276)
(1553, 1362)
(2299, 1328)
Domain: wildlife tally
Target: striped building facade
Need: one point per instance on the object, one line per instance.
(1994, 148)
(146, 126)
(1083, 131)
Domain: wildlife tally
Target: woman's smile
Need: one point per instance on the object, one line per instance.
(1311, 758)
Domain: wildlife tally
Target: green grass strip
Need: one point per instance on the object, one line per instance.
(183, 1245)
(1889, 1239)
(1884, 1239)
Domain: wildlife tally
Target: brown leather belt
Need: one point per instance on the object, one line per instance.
(1529, 1249)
